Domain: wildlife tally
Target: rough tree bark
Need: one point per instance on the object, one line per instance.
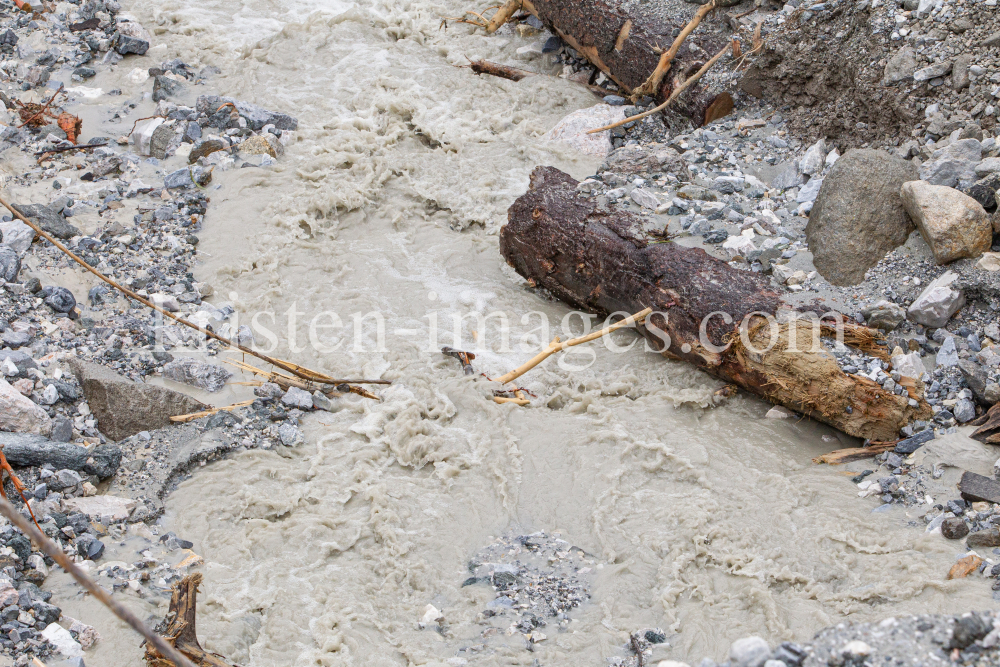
(180, 628)
(626, 39)
(593, 258)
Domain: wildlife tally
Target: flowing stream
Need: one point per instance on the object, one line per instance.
(709, 522)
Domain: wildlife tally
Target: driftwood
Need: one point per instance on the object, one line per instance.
(634, 44)
(594, 258)
(180, 629)
(989, 426)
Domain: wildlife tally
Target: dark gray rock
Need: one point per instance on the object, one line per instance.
(165, 87)
(23, 450)
(21, 360)
(48, 219)
(45, 612)
(954, 528)
(160, 141)
(178, 179)
(192, 132)
(256, 117)
(977, 377)
(637, 159)
(59, 299)
(985, 190)
(858, 216)
(915, 442)
(62, 429)
(84, 72)
(10, 264)
(123, 407)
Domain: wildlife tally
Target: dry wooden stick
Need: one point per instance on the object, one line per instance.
(53, 551)
(211, 411)
(652, 84)
(677, 93)
(496, 69)
(556, 346)
(291, 368)
(286, 381)
(855, 453)
(503, 14)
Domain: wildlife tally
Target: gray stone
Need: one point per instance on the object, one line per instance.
(749, 652)
(884, 315)
(62, 429)
(960, 72)
(954, 528)
(858, 216)
(17, 236)
(964, 410)
(192, 132)
(635, 159)
(937, 303)
(19, 414)
(992, 40)
(256, 117)
(64, 479)
(812, 162)
(123, 407)
(25, 450)
(48, 219)
(932, 71)
(160, 140)
(131, 37)
(954, 165)
(59, 299)
(809, 191)
(165, 87)
(900, 67)
(209, 377)
(178, 179)
(22, 361)
(297, 398)
(977, 377)
(289, 434)
(10, 264)
(790, 178)
(947, 356)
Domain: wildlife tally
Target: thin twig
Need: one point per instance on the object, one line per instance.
(63, 149)
(556, 346)
(290, 367)
(677, 93)
(45, 107)
(183, 419)
(137, 121)
(652, 84)
(53, 551)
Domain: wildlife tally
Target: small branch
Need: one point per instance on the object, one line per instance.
(652, 84)
(465, 358)
(677, 93)
(183, 419)
(855, 453)
(637, 649)
(52, 550)
(502, 71)
(556, 346)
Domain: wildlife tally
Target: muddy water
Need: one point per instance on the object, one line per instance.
(709, 522)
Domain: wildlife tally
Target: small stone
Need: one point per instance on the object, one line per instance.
(178, 179)
(954, 165)
(210, 377)
(947, 356)
(59, 299)
(984, 539)
(20, 414)
(884, 315)
(954, 528)
(749, 652)
(297, 398)
(10, 264)
(937, 303)
(813, 160)
(130, 38)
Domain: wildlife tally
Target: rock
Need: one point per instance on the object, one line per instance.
(255, 116)
(10, 264)
(322, 402)
(960, 72)
(297, 398)
(809, 191)
(142, 135)
(59, 299)
(178, 179)
(98, 507)
(164, 87)
(572, 129)
(257, 145)
(984, 191)
(289, 434)
(954, 528)
(780, 412)
(977, 378)
(64, 479)
(947, 356)
(858, 216)
(909, 365)
(992, 40)
(749, 652)
(790, 178)
(739, 246)
(209, 377)
(85, 634)
(932, 71)
(812, 162)
(19, 415)
(645, 198)
(988, 166)
(964, 567)
(17, 236)
(954, 165)
(900, 67)
(48, 219)
(992, 393)
(131, 37)
(62, 429)
(976, 488)
(884, 315)
(160, 140)
(937, 303)
(984, 539)
(629, 160)
(63, 641)
(192, 133)
(953, 224)
(24, 450)
(964, 411)
(123, 407)
(206, 148)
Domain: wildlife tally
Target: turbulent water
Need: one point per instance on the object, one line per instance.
(709, 522)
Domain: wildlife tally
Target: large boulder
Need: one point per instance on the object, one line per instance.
(123, 407)
(954, 224)
(858, 216)
(19, 414)
(23, 450)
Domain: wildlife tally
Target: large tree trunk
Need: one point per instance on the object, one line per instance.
(594, 258)
(625, 41)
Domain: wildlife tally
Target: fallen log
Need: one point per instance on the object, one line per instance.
(179, 631)
(645, 48)
(728, 322)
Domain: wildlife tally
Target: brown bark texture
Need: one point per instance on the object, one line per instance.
(595, 258)
(180, 628)
(625, 40)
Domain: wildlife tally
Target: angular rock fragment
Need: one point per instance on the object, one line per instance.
(209, 377)
(24, 450)
(937, 303)
(48, 219)
(975, 488)
(19, 414)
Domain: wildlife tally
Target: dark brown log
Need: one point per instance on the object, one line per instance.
(180, 628)
(626, 40)
(502, 71)
(976, 488)
(594, 257)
